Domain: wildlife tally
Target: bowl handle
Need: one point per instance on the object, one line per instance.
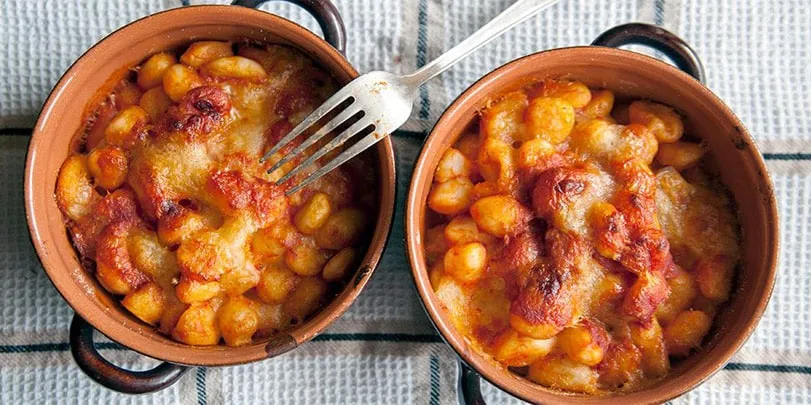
(323, 11)
(111, 376)
(659, 39)
(469, 386)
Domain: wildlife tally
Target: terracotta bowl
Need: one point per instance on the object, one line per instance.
(629, 74)
(60, 118)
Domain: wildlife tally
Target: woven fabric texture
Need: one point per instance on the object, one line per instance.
(757, 55)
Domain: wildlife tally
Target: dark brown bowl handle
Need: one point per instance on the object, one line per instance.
(323, 11)
(469, 386)
(659, 39)
(111, 376)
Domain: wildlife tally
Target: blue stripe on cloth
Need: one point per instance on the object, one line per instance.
(410, 134)
(53, 347)
(775, 368)
(328, 337)
(200, 382)
(659, 12)
(434, 377)
(383, 337)
(16, 131)
(787, 156)
(422, 50)
(378, 337)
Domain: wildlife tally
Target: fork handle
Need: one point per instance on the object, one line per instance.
(519, 11)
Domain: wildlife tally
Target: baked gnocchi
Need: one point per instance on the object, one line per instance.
(166, 200)
(582, 239)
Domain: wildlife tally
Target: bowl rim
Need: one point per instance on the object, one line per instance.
(59, 273)
(524, 389)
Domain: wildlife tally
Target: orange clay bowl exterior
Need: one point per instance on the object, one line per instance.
(60, 118)
(634, 75)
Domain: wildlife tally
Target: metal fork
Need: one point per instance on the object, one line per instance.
(376, 103)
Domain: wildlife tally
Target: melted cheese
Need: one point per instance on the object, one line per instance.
(587, 276)
(197, 178)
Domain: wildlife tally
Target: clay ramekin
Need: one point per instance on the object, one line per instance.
(61, 117)
(634, 75)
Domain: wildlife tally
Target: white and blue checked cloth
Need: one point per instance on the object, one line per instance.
(384, 351)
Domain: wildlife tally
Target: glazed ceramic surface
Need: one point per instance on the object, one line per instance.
(629, 75)
(61, 117)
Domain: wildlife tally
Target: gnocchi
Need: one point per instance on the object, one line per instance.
(166, 196)
(178, 80)
(123, 130)
(236, 67)
(151, 72)
(202, 52)
(564, 239)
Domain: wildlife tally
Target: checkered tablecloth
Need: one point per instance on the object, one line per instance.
(383, 350)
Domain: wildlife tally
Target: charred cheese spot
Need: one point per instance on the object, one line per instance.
(118, 206)
(555, 187)
(521, 252)
(649, 250)
(202, 111)
(114, 266)
(544, 306)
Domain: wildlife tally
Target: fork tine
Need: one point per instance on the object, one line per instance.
(339, 140)
(327, 128)
(337, 99)
(351, 152)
